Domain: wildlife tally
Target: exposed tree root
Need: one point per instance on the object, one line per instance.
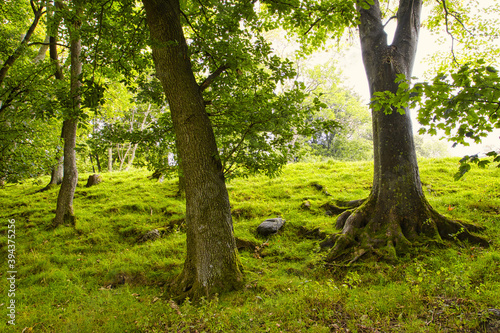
(46, 188)
(185, 286)
(68, 219)
(384, 233)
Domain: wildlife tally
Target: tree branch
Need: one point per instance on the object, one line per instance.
(408, 29)
(43, 43)
(17, 53)
(205, 84)
(447, 23)
(390, 19)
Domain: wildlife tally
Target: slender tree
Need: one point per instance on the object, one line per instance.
(396, 214)
(212, 263)
(64, 210)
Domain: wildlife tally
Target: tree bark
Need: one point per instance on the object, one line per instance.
(110, 159)
(212, 264)
(396, 214)
(56, 175)
(64, 210)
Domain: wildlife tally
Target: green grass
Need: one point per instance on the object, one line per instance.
(97, 277)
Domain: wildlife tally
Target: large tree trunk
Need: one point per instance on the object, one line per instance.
(212, 264)
(64, 210)
(396, 214)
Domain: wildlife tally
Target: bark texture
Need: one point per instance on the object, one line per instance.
(110, 159)
(56, 175)
(64, 210)
(212, 264)
(396, 214)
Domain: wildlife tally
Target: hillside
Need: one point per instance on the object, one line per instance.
(103, 276)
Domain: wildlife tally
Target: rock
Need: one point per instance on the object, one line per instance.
(270, 226)
(151, 235)
(491, 320)
(306, 205)
(94, 180)
(317, 186)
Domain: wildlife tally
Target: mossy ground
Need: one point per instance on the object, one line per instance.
(97, 277)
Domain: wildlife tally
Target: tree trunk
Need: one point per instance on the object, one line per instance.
(56, 175)
(43, 50)
(134, 149)
(124, 156)
(64, 210)
(110, 159)
(212, 264)
(98, 162)
(396, 214)
(92, 162)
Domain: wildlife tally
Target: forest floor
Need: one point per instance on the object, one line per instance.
(100, 276)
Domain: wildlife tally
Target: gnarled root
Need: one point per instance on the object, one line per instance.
(187, 286)
(386, 232)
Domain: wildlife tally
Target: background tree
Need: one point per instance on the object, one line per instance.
(27, 137)
(352, 138)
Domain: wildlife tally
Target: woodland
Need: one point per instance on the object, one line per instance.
(142, 142)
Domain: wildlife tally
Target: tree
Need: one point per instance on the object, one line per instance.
(212, 263)
(461, 98)
(352, 139)
(27, 138)
(64, 209)
(396, 214)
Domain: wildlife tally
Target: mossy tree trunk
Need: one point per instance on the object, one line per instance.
(396, 214)
(212, 264)
(64, 210)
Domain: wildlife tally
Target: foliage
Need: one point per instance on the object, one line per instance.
(97, 277)
(469, 29)
(430, 147)
(311, 22)
(349, 135)
(464, 104)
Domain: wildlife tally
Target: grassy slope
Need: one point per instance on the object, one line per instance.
(98, 278)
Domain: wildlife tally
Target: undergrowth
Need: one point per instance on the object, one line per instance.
(101, 276)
